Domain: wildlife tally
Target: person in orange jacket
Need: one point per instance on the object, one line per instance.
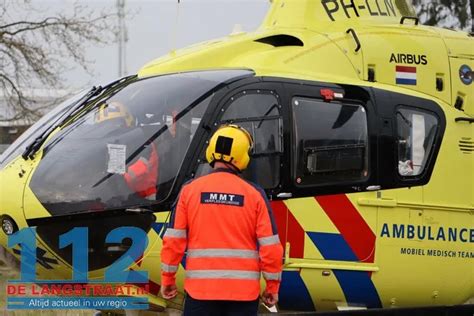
(141, 175)
(226, 227)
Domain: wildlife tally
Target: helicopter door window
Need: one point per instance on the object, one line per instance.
(331, 142)
(252, 104)
(416, 134)
(266, 135)
(258, 111)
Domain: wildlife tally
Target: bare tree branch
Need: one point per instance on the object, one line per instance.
(28, 25)
(35, 52)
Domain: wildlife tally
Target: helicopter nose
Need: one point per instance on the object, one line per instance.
(98, 226)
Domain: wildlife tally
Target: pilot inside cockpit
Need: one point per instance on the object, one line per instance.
(141, 173)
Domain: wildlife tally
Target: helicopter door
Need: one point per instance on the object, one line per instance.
(331, 158)
(259, 110)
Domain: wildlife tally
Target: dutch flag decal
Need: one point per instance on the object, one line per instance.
(406, 75)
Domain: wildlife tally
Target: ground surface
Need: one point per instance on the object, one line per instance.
(7, 273)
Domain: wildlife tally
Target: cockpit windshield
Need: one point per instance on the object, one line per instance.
(128, 149)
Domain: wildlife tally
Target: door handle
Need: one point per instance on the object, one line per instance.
(374, 188)
(284, 195)
(402, 21)
(356, 39)
(464, 119)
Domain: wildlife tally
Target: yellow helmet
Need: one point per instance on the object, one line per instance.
(231, 144)
(114, 110)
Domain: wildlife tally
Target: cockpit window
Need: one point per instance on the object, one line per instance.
(331, 142)
(127, 150)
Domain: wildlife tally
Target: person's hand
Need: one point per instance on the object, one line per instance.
(169, 291)
(269, 299)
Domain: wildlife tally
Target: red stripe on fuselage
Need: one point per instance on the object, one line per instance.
(281, 215)
(289, 229)
(350, 224)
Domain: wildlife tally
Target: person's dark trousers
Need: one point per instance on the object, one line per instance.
(193, 307)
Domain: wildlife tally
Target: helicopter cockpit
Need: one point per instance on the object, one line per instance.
(127, 149)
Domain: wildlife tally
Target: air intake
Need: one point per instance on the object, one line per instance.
(466, 145)
(281, 40)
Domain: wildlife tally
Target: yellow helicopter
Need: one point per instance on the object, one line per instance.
(362, 120)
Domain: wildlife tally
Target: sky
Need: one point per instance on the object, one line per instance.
(155, 27)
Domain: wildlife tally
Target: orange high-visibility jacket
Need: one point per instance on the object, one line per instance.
(142, 176)
(225, 225)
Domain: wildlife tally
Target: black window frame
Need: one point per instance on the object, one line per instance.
(427, 159)
(211, 121)
(388, 103)
(246, 92)
(351, 95)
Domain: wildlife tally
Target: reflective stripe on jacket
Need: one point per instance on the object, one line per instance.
(226, 225)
